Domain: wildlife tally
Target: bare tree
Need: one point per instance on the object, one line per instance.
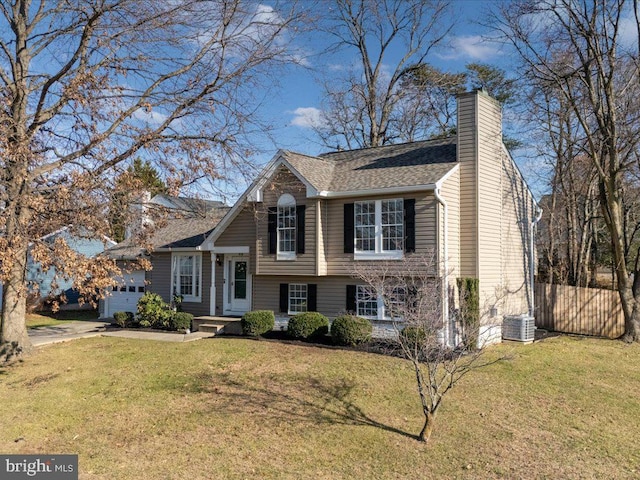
(413, 297)
(86, 85)
(574, 47)
(429, 99)
(430, 105)
(363, 106)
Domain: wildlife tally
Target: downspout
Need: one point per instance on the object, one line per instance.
(532, 262)
(448, 330)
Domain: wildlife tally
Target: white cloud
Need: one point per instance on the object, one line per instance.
(300, 57)
(150, 117)
(473, 47)
(338, 67)
(307, 117)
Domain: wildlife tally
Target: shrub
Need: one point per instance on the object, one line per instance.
(308, 325)
(413, 336)
(124, 319)
(468, 291)
(257, 322)
(351, 330)
(181, 321)
(153, 311)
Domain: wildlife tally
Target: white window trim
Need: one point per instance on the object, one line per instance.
(289, 311)
(381, 309)
(174, 263)
(286, 200)
(379, 253)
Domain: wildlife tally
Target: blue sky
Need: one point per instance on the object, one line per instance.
(293, 107)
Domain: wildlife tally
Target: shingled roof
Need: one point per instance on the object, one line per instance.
(407, 164)
(187, 232)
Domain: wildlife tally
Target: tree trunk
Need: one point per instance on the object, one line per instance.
(427, 428)
(14, 340)
(630, 306)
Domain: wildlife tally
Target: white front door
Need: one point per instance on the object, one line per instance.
(238, 283)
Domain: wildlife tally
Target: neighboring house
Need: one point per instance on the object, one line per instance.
(289, 243)
(41, 280)
(184, 225)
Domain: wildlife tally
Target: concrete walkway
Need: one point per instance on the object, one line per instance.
(159, 336)
(84, 329)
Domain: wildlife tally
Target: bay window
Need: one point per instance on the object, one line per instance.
(187, 276)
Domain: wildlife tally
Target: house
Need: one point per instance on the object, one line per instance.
(184, 225)
(289, 242)
(46, 282)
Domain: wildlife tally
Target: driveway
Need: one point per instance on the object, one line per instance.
(83, 329)
(68, 331)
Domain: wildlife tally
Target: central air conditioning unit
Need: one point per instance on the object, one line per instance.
(520, 328)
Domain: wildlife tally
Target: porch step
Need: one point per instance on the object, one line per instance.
(210, 328)
(217, 325)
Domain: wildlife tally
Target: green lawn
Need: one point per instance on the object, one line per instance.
(48, 319)
(236, 408)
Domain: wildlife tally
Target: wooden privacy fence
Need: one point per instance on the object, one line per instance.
(585, 311)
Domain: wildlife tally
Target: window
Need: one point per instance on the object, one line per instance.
(370, 305)
(366, 302)
(379, 229)
(395, 304)
(392, 225)
(297, 298)
(286, 227)
(187, 276)
(365, 226)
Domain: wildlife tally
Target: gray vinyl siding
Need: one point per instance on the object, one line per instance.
(241, 232)
(159, 278)
(331, 293)
(304, 263)
(338, 262)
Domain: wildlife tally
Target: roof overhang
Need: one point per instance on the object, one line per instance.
(177, 249)
(377, 191)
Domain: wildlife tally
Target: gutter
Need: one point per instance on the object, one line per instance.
(448, 330)
(532, 262)
(377, 191)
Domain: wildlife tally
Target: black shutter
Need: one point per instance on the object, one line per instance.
(272, 228)
(284, 297)
(348, 228)
(300, 228)
(351, 299)
(409, 225)
(312, 295)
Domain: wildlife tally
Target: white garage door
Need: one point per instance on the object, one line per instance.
(125, 296)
